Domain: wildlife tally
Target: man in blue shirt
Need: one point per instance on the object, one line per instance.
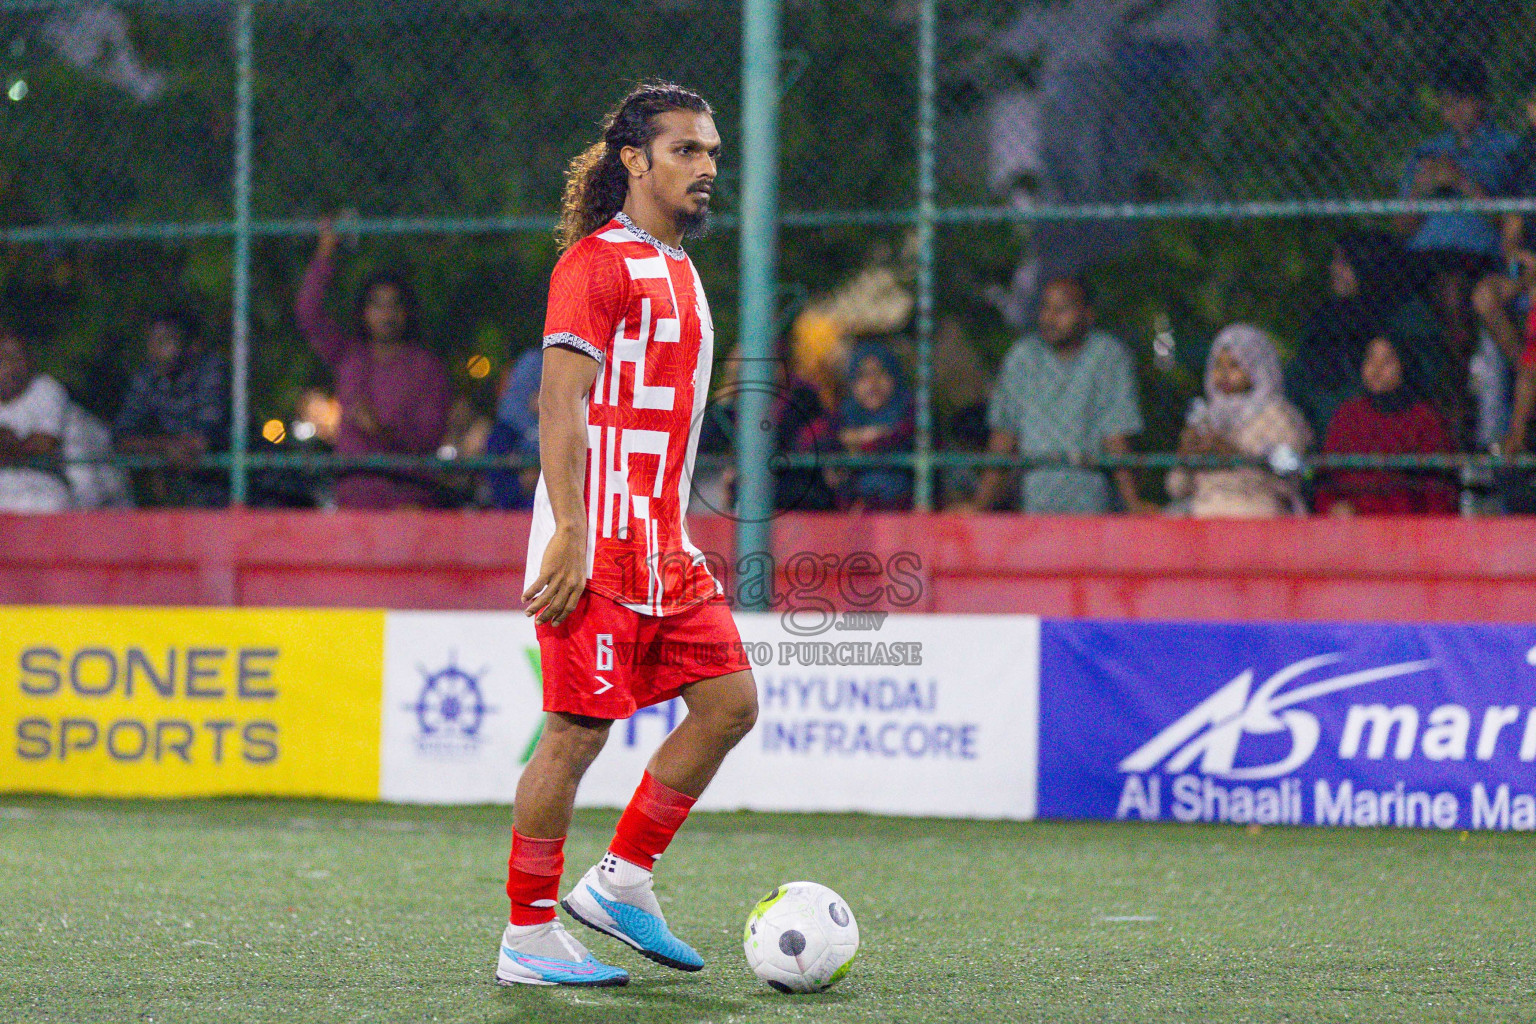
(177, 406)
(1472, 159)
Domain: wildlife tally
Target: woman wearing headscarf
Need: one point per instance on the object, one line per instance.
(876, 418)
(1390, 418)
(1370, 292)
(1244, 414)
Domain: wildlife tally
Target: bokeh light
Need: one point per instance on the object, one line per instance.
(321, 409)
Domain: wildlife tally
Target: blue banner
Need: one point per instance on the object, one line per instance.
(1289, 723)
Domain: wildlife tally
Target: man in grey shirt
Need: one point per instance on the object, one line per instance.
(1066, 389)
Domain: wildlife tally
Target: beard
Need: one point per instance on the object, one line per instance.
(694, 223)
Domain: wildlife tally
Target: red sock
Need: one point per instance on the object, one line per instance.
(653, 816)
(533, 878)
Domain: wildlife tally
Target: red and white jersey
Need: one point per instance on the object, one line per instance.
(637, 306)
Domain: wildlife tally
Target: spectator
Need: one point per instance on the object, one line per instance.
(1390, 418)
(1067, 389)
(1525, 389)
(177, 406)
(104, 380)
(1244, 415)
(466, 435)
(394, 394)
(960, 381)
(874, 302)
(959, 386)
(32, 420)
(802, 426)
(712, 486)
(1519, 487)
(1502, 298)
(516, 432)
(875, 419)
(967, 433)
(1369, 294)
(466, 432)
(93, 483)
(1470, 160)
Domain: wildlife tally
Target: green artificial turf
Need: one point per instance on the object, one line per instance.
(255, 910)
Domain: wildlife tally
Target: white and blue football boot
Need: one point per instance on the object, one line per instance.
(550, 955)
(629, 913)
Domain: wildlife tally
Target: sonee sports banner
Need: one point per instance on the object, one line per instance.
(190, 702)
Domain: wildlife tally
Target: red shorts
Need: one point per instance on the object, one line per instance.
(606, 661)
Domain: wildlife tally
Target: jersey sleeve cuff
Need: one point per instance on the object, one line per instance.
(574, 341)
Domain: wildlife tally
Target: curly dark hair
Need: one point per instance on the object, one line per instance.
(597, 183)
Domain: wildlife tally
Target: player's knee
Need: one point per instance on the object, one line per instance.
(574, 742)
(735, 718)
(748, 717)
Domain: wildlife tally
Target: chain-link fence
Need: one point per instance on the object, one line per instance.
(1327, 172)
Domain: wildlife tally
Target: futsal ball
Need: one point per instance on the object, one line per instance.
(801, 938)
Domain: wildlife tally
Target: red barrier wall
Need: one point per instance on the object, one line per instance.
(1406, 570)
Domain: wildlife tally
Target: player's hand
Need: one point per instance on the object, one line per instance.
(562, 578)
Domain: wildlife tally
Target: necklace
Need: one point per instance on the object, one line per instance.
(675, 251)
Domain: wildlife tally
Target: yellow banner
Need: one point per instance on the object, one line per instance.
(190, 702)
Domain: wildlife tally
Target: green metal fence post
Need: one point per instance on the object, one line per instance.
(240, 314)
(927, 32)
(759, 276)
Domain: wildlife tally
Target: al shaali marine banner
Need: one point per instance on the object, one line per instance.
(1289, 724)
